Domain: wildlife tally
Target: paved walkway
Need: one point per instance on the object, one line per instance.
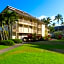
(58, 50)
(10, 48)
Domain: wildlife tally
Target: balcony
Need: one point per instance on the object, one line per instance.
(39, 32)
(27, 23)
(39, 26)
(14, 30)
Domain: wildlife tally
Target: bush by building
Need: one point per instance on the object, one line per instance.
(17, 40)
(7, 42)
(58, 35)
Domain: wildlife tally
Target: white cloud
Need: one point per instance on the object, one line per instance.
(52, 18)
(43, 16)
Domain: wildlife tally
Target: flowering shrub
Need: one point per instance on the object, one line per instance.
(29, 35)
(34, 37)
(59, 36)
(48, 37)
(39, 37)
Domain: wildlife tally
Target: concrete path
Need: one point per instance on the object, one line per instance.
(58, 50)
(10, 48)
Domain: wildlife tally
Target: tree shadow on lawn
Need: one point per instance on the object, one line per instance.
(48, 45)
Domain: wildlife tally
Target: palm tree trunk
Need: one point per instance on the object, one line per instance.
(3, 33)
(11, 32)
(58, 24)
(8, 31)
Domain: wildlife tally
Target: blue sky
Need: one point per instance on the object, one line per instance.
(37, 8)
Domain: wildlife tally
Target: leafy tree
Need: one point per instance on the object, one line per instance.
(58, 18)
(46, 20)
(11, 17)
(53, 24)
(2, 22)
(62, 23)
(51, 29)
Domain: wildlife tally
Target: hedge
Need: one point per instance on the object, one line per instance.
(7, 42)
(17, 40)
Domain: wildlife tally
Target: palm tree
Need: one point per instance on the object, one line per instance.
(58, 18)
(62, 23)
(2, 22)
(11, 17)
(13, 20)
(46, 20)
(53, 24)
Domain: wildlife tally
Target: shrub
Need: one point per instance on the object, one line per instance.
(48, 37)
(34, 37)
(39, 38)
(29, 35)
(58, 34)
(17, 40)
(7, 42)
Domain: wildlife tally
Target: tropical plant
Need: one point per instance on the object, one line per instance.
(46, 20)
(58, 18)
(2, 22)
(58, 34)
(53, 24)
(11, 17)
(62, 23)
(51, 29)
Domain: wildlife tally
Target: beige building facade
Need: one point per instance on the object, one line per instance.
(26, 24)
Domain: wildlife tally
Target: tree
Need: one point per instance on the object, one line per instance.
(53, 24)
(62, 23)
(51, 29)
(14, 19)
(2, 22)
(58, 18)
(11, 17)
(46, 20)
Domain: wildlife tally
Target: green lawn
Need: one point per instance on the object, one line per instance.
(3, 46)
(33, 54)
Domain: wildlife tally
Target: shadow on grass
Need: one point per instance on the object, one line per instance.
(57, 46)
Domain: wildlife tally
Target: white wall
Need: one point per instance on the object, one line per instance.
(21, 29)
(13, 37)
(25, 29)
(43, 30)
(20, 37)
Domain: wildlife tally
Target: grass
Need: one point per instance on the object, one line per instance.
(3, 47)
(36, 53)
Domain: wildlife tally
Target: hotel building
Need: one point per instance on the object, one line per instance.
(26, 24)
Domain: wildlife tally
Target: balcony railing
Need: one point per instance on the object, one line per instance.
(39, 32)
(39, 26)
(28, 23)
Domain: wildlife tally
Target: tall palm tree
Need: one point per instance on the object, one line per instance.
(11, 17)
(53, 24)
(46, 20)
(62, 23)
(2, 22)
(58, 18)
(13, 20)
